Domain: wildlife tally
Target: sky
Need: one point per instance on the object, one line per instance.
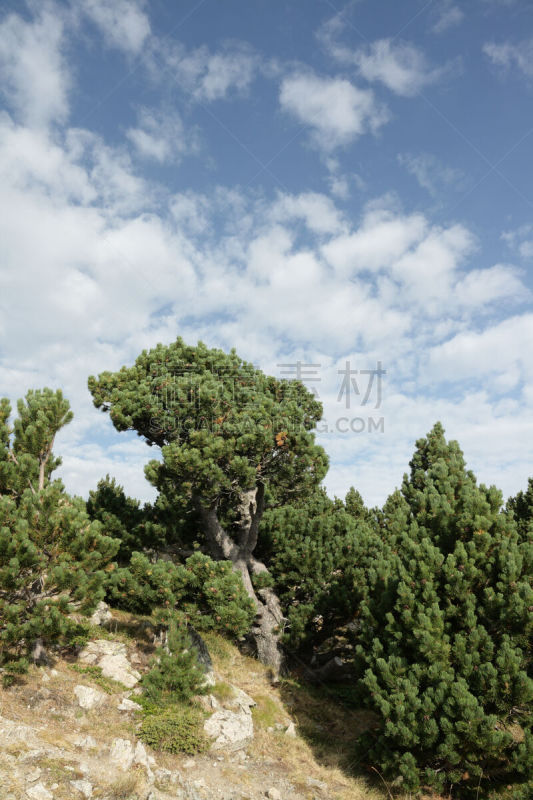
(342, 191)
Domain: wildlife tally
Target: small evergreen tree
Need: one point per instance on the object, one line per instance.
(312, 550)
(51, 554)
(446, 631)
(138, 529)
(521, 507)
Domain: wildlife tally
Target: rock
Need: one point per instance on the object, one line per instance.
(273, 794)
(85, 742)
(290, 730)
(203, 656)
(141, 757)
(88, 698)
(33, 774)
(122, 753)
(317, 784)
(84, 787)
(38, 653)
(101, 615)
(231, 730)
(241, 700)
(128, 705)
(112, 659)
(39, 792)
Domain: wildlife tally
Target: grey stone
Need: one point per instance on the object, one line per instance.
(290, 730)
(230, 730)
(84, 787)
(39, 792)
(122, 753)
(33, 774)
(102, 614)
(128, 705)
(88, 697)
(112, 659)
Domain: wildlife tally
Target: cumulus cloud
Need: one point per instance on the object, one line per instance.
(499, 348)
(123, 23)
(207, 76)
(508, 55)
(400, 66)
(161, 136)
(336, 111)
(316, 210)
(35, 78)
(430, 173)
(520, 240)
(448, 16)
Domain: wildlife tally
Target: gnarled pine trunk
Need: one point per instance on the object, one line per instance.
(267, 627)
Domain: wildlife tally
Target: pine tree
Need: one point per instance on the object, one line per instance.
(446, 631)
(51, 554)
(522, 508)
(138, 529)
(227, 433)
(312, 550)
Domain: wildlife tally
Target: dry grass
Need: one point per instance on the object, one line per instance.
(124, 787)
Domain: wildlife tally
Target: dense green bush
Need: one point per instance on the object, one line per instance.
(208, 594)
(313, 550)
(522, 508)
(177, 729)
(446, 632)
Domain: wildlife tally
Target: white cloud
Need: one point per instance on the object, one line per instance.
(449, 16)
(316, 210)
(161, 136)
(497, 349)
(382, 239)
(509, 55)
(521, 240)
(34, 75)
(123, 23)
(495, 284)
(336, 110)
(208, 76)
(401, 66)
(430, 173)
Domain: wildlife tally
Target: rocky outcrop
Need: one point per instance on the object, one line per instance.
(112, 658)
(232, 728)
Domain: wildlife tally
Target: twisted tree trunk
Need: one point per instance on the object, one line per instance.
(267, 627)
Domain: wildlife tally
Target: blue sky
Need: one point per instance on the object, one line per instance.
(311, 182)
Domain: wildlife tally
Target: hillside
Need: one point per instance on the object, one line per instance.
(51, 746)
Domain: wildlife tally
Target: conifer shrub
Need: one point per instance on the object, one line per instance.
(175, 674)
(207, 593)
(521, 507)
(51, 554)
(445, 639)
(152, 527)
(313, 550)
